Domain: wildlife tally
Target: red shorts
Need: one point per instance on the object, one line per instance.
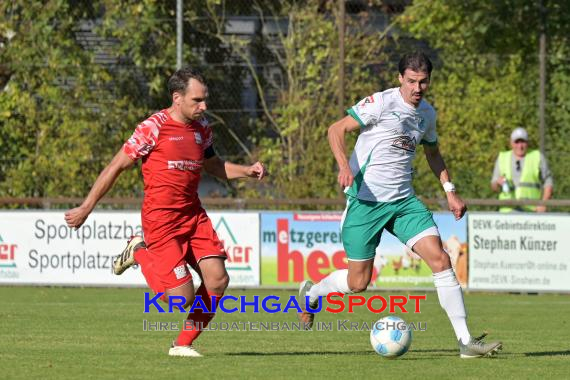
(174, 244)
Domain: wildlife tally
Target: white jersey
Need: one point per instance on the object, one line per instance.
(390, 131)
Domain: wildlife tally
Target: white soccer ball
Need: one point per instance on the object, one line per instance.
(390, 337)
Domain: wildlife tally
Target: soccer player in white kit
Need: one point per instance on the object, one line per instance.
(378, 187)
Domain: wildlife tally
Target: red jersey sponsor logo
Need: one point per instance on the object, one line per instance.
(185, 165)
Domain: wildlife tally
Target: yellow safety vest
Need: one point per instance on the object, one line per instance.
(529, 187)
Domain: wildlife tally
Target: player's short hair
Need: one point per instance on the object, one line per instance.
(416, 61)
(178, 82)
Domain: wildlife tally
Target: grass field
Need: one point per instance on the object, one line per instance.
(94, 333)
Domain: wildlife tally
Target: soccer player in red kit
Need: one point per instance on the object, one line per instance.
(174, 144)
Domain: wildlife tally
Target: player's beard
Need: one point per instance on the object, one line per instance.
(416, 98)
(197, 115)
(193, 117)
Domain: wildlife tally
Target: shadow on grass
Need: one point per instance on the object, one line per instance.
(455, 351)
(318, 353)
(434, 353)
(548, 353)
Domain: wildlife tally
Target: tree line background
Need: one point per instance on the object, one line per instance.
(76, 77)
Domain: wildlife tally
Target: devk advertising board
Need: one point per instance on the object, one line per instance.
(519, 251)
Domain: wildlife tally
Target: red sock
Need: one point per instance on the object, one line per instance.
(191, 331)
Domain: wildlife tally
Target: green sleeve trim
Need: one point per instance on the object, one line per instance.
(351, 112)
(430, 143)
(358, 179)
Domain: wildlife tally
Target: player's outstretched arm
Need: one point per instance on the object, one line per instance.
(437, 165)
(337, 143)
(228, 170)
(77, 216)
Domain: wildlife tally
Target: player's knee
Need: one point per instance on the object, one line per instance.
(181, 296)
(358, 289)
(189, 300)
(224, 282)
(440, 263)
(218, 284)
(184, 299)
(358, 285)
(358, 282)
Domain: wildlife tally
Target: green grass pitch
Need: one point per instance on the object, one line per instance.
(97, 333)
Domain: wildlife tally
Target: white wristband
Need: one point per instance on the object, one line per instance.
(449, 187)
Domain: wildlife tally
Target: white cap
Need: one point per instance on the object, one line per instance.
(519, 134)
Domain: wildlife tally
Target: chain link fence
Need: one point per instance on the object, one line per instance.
(127, 64)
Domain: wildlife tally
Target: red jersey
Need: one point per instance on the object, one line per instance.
(172, 158)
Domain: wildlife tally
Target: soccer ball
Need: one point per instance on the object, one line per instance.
(390, 337)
